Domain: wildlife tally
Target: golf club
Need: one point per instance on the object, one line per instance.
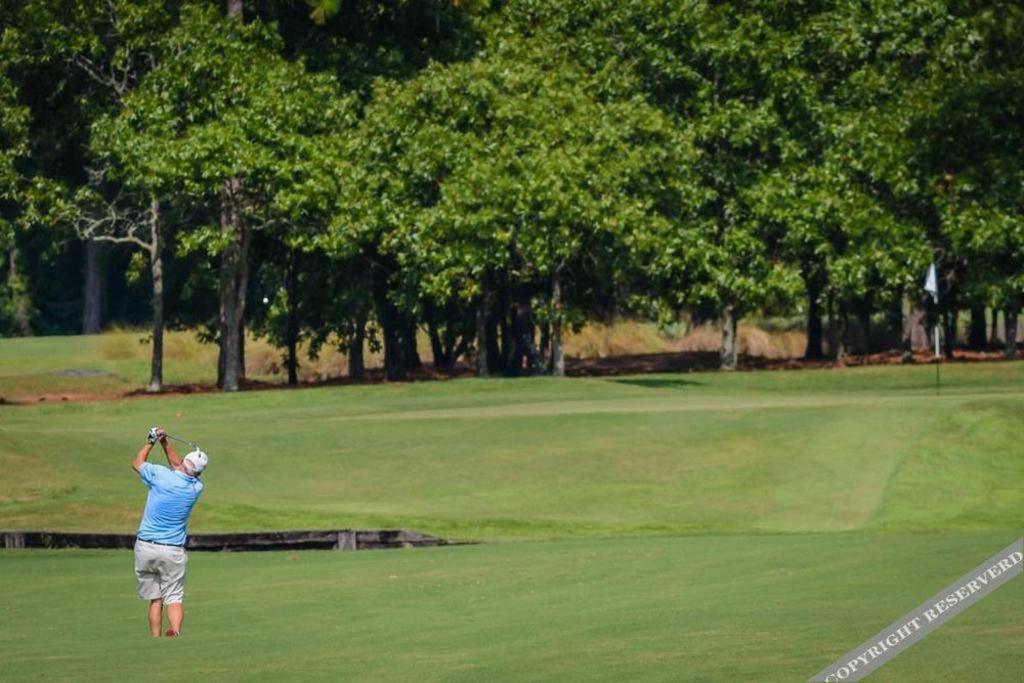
(193, 444)
(178, 438)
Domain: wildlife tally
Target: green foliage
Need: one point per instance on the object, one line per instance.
(320, 10)
(222, 104)
(14, 120)
(660, 156)
(516, 161)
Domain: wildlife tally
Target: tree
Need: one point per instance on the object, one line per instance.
(110, 45)
(120, 221)
(969, 138)
(910, 122)
(219, 124)
(501, 183)
(14, 303)
(89, 55)
(234, 267)
(560, 180)
(710, 68)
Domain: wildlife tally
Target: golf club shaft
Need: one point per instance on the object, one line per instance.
(178, 438)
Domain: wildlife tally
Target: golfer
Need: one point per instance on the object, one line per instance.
(160, 557)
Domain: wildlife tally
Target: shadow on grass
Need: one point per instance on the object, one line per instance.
(660, 382)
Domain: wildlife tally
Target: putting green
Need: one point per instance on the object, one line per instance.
(722, 608)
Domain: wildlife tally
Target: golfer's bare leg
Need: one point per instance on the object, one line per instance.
(176, 615)
(155, 616)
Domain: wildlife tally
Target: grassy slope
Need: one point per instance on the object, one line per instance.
(721, 608)
(869, 448)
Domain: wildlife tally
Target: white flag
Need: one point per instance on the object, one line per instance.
(931, 283)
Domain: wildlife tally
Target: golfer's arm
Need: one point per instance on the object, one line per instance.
(172, 455)
(140, 459)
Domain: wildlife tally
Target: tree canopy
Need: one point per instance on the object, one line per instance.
(491, 173)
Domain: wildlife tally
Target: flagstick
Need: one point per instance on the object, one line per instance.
(931, 285)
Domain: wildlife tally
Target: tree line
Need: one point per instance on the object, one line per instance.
(494, 173)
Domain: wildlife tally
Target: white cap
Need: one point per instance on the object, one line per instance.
(195, 462)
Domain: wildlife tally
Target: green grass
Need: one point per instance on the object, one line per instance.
(870, 448)
(118, 362)
(112, 363)
(689, 527)
(705, 608)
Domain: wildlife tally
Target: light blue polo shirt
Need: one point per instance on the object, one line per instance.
(172, 495)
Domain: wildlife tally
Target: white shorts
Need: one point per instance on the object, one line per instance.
(160, 570)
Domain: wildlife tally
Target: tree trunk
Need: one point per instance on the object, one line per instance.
(949, 323)
(525, 355)
(391, 324)
(241, 345)
(993, 335)
(557, 350)
(292, 325)
(814, 350)
(156, 264)
(457, 333)
(458, 348)
(976, 332)
(830, 326)
(1010, 331)
(865, 330)
(906, 343)
(727, 353)
(504, 328)
(395, 344)
(234, 260)
(921, 333)
(483, 314)
(22, 323)
(842, 336)
(494, 365)
(92, 307)
(220, 362)
(356, 364)
(893, 312)
(437, 348)
(410, 351)
(394, 364)
(916, 336)
(234, 281)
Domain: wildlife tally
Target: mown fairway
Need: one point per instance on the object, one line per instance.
(866, 448)
(707, 526)
(709, 608)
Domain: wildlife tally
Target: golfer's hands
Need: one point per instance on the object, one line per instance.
(156, 434)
